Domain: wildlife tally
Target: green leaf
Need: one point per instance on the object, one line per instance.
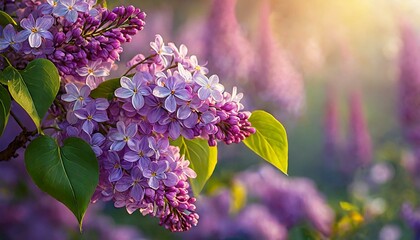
(202, 157)
(6, 19)
(34, 88)
(69, 173)
(270, 139)
(106, 89)
(4, 108)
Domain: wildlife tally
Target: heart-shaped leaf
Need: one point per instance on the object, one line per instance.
(34, 88)
(6, 19)
(4, 108)
(69, 173)
(202, 157)
(270, 139)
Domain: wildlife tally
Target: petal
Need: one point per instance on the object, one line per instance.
(137, 101)
(98, 139)
(162, 166)
(44, 23)
(131, 156)
(121, 127)
(101, 103)
(170, 103)
(153, 183)
(46, 35)
(81, 6)
(22, 36)
(127, 83)
(218, 96)
(161, 91)
(204, 93)
(100, 116)
(68, 98)
(124, 183)
(131, 130)
(60, 10)
(183, 112)
(71, 16)
(123, 92)
(183, 94)
(117, 146)
(9, 32)
(102, 72)
(213, 79)
(191, 121)
(84, 91)
(174, 130)
(88, 127)
(137, 192)
(115, 175)
(81, 113)
(28, 23)
(171, 179)
(35, 40)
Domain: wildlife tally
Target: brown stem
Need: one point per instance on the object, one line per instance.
(19, 141)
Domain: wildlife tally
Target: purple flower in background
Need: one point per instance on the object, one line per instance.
(360, 143)
(69, 9)
(173, 87)
(136, 181)
(79, 97)
(91, 116)
(122, 136)
(135, 88)
(10, 38)
(210, 87)
(48, 7)
(36, 30)
(92, 72)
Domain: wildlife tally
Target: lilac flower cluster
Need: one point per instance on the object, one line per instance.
(169, 96)
(278, 205)
(73, 34)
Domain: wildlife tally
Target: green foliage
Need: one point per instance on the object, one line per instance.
(34, 88)
(6, 19)
(270, 139)
(4, 108)
(106, 89)
(202, 157)
(69, 173)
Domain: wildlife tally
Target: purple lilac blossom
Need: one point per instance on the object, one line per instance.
(11, 38)
(37, 29)
(360, 143)
(135, 89)
(290, 200)
(282, 86)
(409, 92)
(70, 8)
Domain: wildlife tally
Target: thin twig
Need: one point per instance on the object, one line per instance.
(18, 121)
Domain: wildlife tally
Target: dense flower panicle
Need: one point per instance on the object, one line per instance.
(360, 144)
(412, 218)
(331, 130)
(223, 37)
(82, 40)
(130, 133)
(290, 200)
(281, 84)
(170, 95)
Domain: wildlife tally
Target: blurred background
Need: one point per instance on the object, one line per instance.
(344, 79)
